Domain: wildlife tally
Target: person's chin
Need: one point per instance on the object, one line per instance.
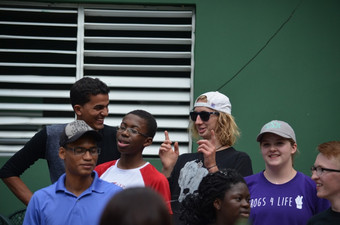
(204, 135)
(98, 126)
(85, 173)
(201, 132)
(320, 194)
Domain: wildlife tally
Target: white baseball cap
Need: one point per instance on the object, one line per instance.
(216, 101)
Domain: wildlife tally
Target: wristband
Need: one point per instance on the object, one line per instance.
(211, 167)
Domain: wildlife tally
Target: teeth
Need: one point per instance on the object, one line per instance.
(123, 142)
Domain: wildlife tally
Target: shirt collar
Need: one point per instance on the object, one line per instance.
(95, 186)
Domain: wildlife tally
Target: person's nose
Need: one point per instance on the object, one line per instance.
(245, 203)
(198, 120)
(315, 176)
(125, 132)
(105, 112)
(272, 148)
(87, 155)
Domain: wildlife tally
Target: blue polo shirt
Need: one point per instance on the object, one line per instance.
(54, 205)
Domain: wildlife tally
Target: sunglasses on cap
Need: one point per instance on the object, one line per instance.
(203, 115)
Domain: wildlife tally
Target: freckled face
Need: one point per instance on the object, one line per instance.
(328, 183)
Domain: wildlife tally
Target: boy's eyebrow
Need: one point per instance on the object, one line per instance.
(98, 106)
(102, 105)
(133, 126)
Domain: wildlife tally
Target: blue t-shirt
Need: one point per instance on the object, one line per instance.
(54, 205)
(291, 203)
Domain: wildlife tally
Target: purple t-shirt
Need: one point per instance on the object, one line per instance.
(291, 203)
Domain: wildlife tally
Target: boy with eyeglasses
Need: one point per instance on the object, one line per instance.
(135, 132)
(78, 196)
(90, 100)
(326, 174)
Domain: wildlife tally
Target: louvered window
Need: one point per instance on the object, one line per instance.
(144, 54)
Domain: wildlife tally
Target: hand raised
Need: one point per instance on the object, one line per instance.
(167, 155)
(208, 148)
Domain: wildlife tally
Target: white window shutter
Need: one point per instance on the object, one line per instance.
(143, 53)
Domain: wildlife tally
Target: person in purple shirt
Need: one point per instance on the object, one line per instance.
(281, 195)
(78, 196)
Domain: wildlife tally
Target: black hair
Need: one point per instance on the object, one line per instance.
(136, 206)
(150, 120)
(82, 90)
(198, 208)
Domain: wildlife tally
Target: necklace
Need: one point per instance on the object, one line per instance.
(218, 148)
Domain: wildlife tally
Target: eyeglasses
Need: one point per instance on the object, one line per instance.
(82, 151)
(203, 115)
(320, 170)
(131, 131)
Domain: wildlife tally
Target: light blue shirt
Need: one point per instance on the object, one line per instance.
(54, 205)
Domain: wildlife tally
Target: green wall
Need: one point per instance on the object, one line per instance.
(35, 178)
(296, 78)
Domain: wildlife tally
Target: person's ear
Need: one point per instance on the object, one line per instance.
(147, 142)
(294, 148)
(78, 110)
(62, 152)
(217, 204)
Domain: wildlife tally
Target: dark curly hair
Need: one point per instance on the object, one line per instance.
(82, 90)
(198, 208)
